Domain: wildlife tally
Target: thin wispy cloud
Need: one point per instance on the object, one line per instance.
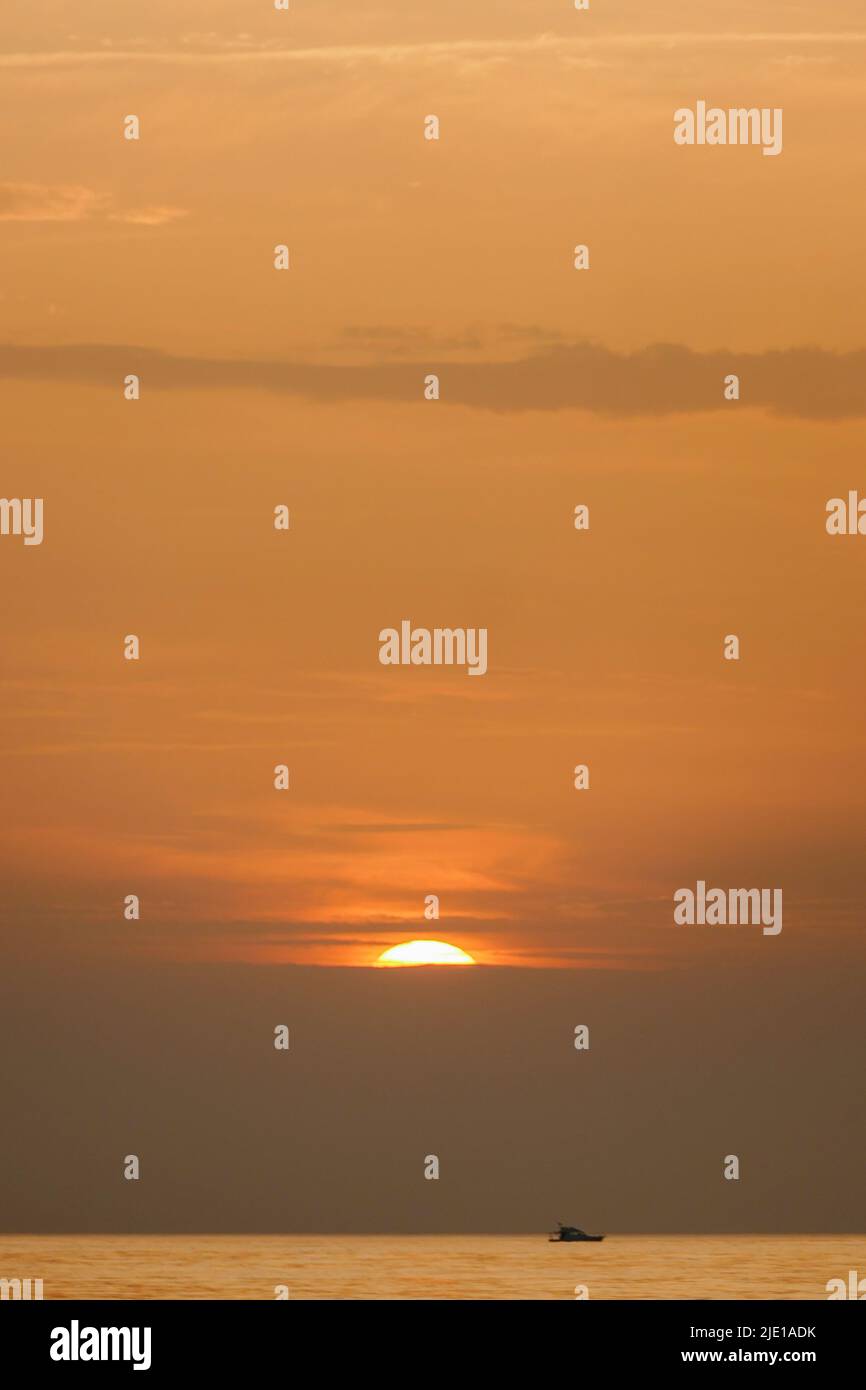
(35, 202)
(38, 202)
(158, 216)
(204, 49)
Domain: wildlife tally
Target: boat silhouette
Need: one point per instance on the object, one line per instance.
(570, 1233)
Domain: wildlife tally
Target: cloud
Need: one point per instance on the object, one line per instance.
(39, 202)
(396, 340)
(149, 216)
(662, 379)
(36, 202)
(204, 48)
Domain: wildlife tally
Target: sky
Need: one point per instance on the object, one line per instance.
(259, 647)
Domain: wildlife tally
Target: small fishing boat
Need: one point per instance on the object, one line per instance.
(570, 1233)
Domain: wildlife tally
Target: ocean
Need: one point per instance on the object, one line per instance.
(470, 1267)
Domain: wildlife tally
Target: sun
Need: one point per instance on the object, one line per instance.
(425, 953)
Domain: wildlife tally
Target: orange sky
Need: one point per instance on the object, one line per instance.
(408, 256)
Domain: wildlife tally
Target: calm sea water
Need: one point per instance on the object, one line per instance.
(431, 1267)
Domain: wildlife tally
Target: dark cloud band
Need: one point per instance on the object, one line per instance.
(663, 379)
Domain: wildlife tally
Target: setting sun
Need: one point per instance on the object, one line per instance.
(425, 953)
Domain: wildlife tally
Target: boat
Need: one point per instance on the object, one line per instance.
(570, 1233)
